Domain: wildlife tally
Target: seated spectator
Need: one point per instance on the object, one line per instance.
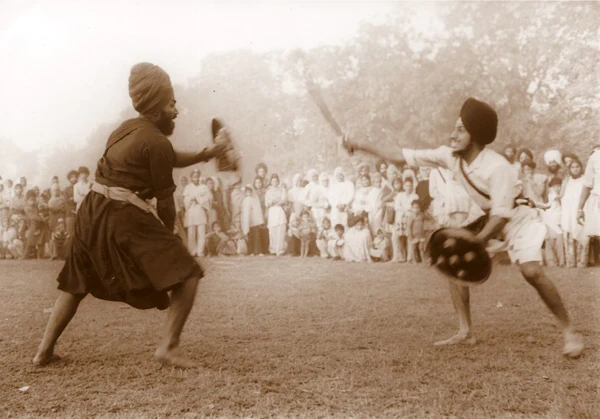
(13, 247)
(358, 243)
(335, 247)
(59, 241)
(219, 243)
(324, 236)
(380, 251)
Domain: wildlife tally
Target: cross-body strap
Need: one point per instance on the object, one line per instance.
(470, 182)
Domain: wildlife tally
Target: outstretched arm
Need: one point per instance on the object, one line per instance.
(391, 153)
(185, 159)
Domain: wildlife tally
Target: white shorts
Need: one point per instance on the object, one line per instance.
(525, 234)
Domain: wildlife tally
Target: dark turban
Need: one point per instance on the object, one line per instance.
(480, 120)
(150, 88)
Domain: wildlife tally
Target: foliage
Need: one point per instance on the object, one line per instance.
(538, 64)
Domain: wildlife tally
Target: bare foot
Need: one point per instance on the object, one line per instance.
(573, 345)
(41, 359)
(174, 358)
(458, 338)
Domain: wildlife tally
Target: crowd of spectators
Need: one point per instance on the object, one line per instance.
(374, 213)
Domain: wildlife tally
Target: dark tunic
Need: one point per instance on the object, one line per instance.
(120, 252)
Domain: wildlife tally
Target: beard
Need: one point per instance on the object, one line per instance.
(166, 124)
(553, 168)
(511, 159)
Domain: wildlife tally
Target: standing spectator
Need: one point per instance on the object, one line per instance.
(535, 185)
(17, 247)
(178, 197)
(8, 191)
(223, 215)
(58, 242)
(296, 195)
(554, 245)
(261, 171)
(381, 167)
(341, 194)
(375, 203)
(275, 199)
(252, 222)
(402, 206)
(212, 211)
(71, 205)
(260, 191)
(319, 202)
(236, 201)
(197, 200)
(510, 154)
(307, 232)
(17, 203)
(422, 189)
(419, 225)
(359, 207)
(6, 237)
(23, 182)
(574, 238)
(553, 158)
(82, 187)
(589, 204)
(57, 207)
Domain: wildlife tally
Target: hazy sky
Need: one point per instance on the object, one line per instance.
(65, 65)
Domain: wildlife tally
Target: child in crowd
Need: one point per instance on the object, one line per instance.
(576, 241)
(358, 243)
(14, 247)
(219, 243)
(419, 226)
(6, 237)
(306, 232)
(59, 240)
(380, 251)
(402, 206)
(554, 245)
(335, 247)
(325, 235)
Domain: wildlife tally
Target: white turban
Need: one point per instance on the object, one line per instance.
(552, 156)
(310, 174)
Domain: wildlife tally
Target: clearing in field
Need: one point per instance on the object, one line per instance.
(290, 338)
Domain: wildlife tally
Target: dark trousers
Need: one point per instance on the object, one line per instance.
(257, 244)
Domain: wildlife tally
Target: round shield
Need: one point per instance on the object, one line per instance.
(228, 160)
(456, 253)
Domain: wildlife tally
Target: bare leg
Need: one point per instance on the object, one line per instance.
(548, 292)
(192, 240)
(62, 313)
(182, 301)
(462, 307)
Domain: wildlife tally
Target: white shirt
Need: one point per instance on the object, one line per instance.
(591, 177)
(490, 172)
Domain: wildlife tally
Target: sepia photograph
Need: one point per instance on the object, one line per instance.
(300, 209)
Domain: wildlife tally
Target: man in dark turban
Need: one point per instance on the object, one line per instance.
(488, 178)
(124, 249)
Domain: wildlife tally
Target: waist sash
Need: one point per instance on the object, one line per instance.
(117, 193)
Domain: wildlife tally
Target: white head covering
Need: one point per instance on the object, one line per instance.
(310, 174)
(295, 179)
(337, 171)
(552, 156)
(323, 176)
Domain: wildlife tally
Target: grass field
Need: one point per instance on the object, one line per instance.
(291, 338)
